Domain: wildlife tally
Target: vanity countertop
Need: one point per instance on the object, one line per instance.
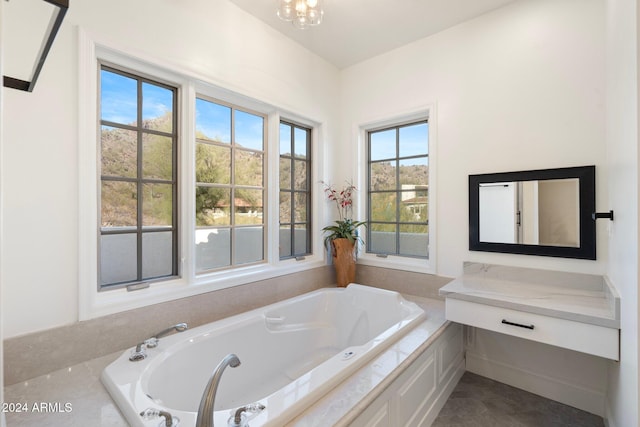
(572, 296)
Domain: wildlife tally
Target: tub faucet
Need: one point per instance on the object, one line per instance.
(205, 411)
(152, 342)
(152, 414)
(240, 419)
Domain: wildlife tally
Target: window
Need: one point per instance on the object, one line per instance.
(295, 190)
(398, 190)
(229, 189)
(174, 194)
(138, 180)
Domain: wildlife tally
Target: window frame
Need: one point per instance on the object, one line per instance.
(94, 49)
(233, 185)
(397, 191)
(393, 118)
(308, 160)
(140, 181)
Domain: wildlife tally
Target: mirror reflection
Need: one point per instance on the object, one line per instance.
(531, 212)
(544, 212)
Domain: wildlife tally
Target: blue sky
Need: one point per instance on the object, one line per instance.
(214, 121)
(119, 105)
(413, 142)
(118, 100)
(300, 140)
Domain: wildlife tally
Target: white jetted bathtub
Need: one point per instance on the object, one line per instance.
(291, 352)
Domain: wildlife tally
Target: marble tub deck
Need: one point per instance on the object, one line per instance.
(77, 385)
(90, 404)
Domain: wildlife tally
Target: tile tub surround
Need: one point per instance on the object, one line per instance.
(42, 352)
(577, 297)
(80, 386)
(405, 282)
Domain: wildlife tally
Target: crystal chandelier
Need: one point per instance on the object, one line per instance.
(302, 13)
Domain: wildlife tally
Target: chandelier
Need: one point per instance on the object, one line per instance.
(302, 13)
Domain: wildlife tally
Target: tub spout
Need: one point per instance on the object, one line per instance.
(205, 411)
(139, 353)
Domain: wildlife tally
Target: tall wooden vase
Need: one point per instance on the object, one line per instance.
(344, 261)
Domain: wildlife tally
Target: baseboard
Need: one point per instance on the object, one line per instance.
(442, 398)
(592, 401)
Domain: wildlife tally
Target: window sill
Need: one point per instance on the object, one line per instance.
(97, 304)
(398, 263)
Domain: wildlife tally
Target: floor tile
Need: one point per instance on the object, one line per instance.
(478, 402)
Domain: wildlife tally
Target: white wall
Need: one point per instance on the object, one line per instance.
(519, 88)
(522, 87)
(2, 416)
(622, 156)
(213, 39)
(573, 378)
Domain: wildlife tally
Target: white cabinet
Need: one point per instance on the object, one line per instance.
(417, 395)
(575, 311)
(584, 337)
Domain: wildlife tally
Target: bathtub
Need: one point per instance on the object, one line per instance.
(291, 352)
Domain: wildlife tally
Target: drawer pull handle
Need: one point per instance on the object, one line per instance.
(506, 322)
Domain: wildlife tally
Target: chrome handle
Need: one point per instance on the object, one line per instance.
(153, 341)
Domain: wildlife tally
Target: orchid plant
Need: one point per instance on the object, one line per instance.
(345, 226)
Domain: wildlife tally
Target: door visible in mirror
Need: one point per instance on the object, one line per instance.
(531, 212)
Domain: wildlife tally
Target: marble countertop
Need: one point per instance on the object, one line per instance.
(74, 396)
(572, 296)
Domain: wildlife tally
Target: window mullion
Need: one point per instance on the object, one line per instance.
(232, 180)
(398, 191)
(369, 189)
(175, 212)
(308, 194)
(292, 226)
(139, 184)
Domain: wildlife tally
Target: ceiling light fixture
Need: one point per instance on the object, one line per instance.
(302, 13)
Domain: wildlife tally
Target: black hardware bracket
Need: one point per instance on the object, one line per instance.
(598, 215)
(54, 26)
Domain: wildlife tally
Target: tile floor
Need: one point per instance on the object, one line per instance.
(477, 401)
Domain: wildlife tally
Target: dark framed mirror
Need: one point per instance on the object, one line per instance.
(544, 212)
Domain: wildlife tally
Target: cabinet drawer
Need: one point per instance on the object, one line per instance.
(587, 338)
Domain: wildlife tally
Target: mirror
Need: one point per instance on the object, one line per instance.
(544, 212)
